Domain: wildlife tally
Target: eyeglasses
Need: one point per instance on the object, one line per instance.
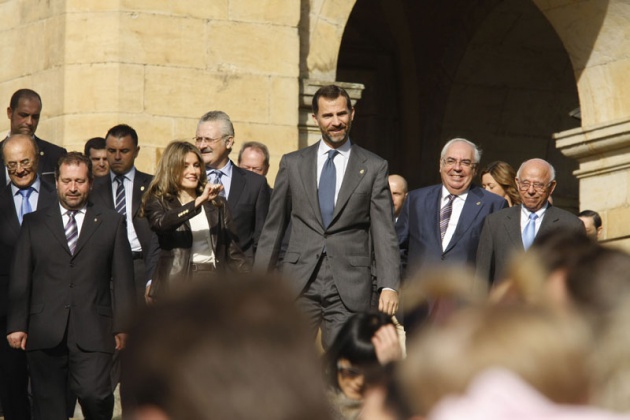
(349, 373)
(25, 164)
(209, 140)
(466, 163)
(538, 186)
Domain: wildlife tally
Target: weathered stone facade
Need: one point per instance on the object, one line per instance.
(158, 66)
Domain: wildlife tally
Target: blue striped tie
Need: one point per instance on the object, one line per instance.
(529, 233)
(214, 177)
(121, 201)
(26, 205)
(72, 232)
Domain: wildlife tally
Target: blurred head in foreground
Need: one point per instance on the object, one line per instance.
(235, 349)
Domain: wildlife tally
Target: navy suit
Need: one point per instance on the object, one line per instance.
(418, 227)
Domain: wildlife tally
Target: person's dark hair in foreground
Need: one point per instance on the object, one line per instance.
(234, 349)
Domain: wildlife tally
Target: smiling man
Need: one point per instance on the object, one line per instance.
(514, 229)
(441, 224)
(246, 192)
(336, 196)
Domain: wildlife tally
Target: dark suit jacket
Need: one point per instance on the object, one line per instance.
(249, 203)
(49, 287)
(171, 222)
(102, 195)
(418, 227)
(49, 155)
(501, 237)
(10, 230)
(364, 207)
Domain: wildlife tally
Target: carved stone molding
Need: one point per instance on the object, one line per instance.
(600, 149)
(309, 131)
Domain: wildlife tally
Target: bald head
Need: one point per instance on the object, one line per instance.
(21, 158)
(536, 182)
(398, 187)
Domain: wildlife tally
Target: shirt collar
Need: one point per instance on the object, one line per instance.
(35, 185)
(130, 175)
(64, 210)
(344, 149)
(446, 193)
(540, 211)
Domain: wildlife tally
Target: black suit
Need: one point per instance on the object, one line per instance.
(102, 195)
(248, 201)
(49, 155)
(13, 374)
(71, 306)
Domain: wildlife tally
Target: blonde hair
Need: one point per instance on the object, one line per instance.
(505, 176)
(546, 350)
(165, 184)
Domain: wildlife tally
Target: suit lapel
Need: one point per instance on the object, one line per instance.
(355, 172)
(472, 207)
(91, 222)
(212, 214)
(549, 219)
(308, 174)
(8, 211)
(55, 225)
(512, 225)
(140, 184)
(432, 206)
(237, 185)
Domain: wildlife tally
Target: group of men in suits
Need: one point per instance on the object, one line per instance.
(331, 213)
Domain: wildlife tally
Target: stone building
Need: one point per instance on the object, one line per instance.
(506, 74)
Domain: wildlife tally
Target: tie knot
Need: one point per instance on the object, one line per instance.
(71, 214)
(451, 197)
(26, 193)
(120, 179)
(332, 154)
(533, 216)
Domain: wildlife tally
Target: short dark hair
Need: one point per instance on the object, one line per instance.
(96, 143)
(23, 94)
(74, 158)
(330, 92)
(123, 130)
(354, 342)
(597, 220)
(256, 145)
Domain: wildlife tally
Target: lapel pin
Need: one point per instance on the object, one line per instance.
(142, 188)
(41, 153)
(95, 219)
(361, 171)
(478, 203)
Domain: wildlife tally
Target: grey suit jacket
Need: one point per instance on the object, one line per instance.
(364, 207)
(501, 237)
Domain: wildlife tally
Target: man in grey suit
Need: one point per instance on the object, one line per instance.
(336, 196)
(512, 230)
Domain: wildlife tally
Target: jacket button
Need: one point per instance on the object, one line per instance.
(67, 307)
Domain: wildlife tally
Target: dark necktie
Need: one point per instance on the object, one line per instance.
(445, 215)
(529, 233)
(26, 205)
(214, 176)
(121, 200)
(327, 186)
(72, 232)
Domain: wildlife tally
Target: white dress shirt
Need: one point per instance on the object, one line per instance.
(341, 162)
(525, 217)
(128, 183)
(458, 206)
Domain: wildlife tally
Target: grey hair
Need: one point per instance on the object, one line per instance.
(552, 170)
(228, 127)
(476, 150)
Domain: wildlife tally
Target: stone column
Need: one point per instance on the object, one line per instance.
(309, 131)
(603, 152)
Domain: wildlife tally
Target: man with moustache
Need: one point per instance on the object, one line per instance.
(441, 224)
(336, 196)
(70, 287)
(513, 230)
(25, 193)
(247, 192)
(24, 110)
